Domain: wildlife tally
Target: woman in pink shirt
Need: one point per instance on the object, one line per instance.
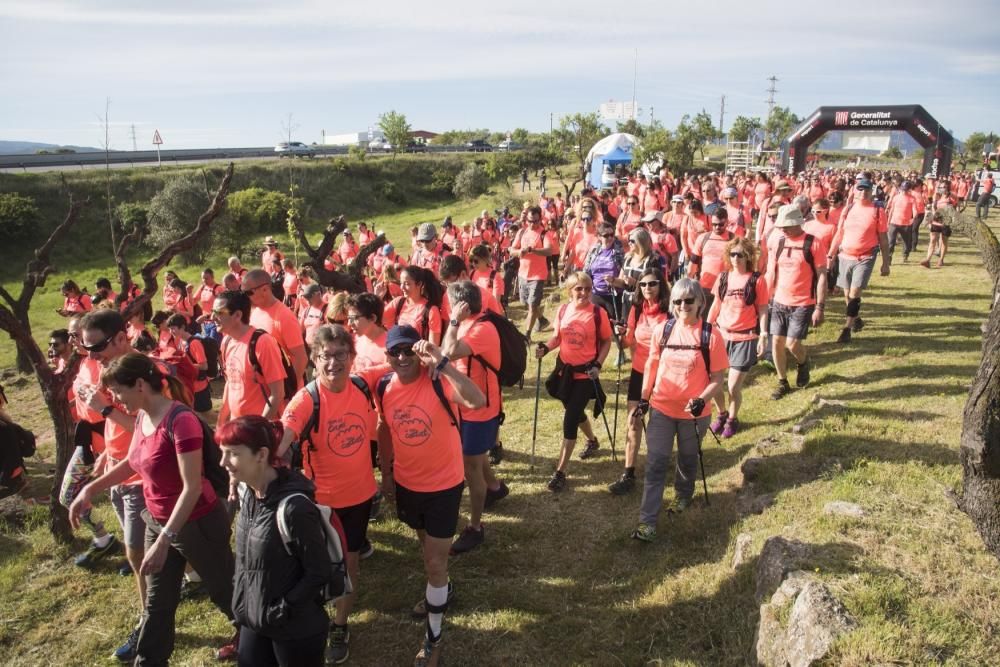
(74, 301)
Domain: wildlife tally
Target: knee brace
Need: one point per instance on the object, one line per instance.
(853, 307)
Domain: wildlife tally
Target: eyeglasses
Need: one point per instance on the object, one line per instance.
(355, 318)
(401, 351)
(586, 219)
(99, 347)
(687, 301)
(649, 283)
(221, 311)
(336, 356)
(817, 211)
(631, 241)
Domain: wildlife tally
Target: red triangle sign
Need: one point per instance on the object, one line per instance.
(157, 139)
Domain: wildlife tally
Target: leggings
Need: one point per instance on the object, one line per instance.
(576, 407)
(260, 651)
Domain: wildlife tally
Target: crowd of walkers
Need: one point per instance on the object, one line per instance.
(350, 401)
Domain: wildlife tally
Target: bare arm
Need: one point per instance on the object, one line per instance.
(299, 359)
(277, 397)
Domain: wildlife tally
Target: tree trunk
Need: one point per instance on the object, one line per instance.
(23, 363)
(62, 419)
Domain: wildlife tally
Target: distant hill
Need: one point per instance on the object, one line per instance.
(31, 147)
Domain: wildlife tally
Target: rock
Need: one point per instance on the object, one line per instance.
(770, 639)
(751, 504)
(741, 550)
(817, 619)
(777, 558)
(767, 444)
(831, 405)
(798, 442)
(751, 469)
(842, 508)
(805, 425)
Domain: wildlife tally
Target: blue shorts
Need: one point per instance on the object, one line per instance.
(479, 437)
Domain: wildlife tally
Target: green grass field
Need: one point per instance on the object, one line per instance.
(559, 582)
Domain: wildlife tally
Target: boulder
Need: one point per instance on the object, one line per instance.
(806, 425)
(770, 640)
(741, 550)
(777, 558)
(842, 508)
(817, 619)
(751, 504)
(751, 469)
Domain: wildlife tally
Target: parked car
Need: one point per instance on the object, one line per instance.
(479, 146)
(415, 147)
(293, 148)
(508, 145)
(379, 145)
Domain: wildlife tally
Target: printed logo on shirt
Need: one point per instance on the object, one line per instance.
(574, 335)
(411, 425)
(345, 435)
(234, 370)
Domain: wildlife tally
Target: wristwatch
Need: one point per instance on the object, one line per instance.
(453, 322)
(170, 535)
(107, 410)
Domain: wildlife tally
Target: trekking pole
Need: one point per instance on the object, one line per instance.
(701, 460)
(618, 390)
(534, 428)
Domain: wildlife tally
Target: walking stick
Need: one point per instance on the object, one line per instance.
(618, 390)
(701, 460)
(534, 428)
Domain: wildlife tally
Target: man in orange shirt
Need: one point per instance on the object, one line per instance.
(901, 212)
(860, 236)
(707, 260)
(532, 246)
(428, 469)
(986, 188)
(275, 318)
(474, 344)
(796, 276)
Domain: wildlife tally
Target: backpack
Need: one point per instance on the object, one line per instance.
(211, 347)
(312, 423)
(336, 545)
(513, 350)
(706, 338)
(424, 319)
(16, 433)
(493, 275)
(383, 383)
(211, 455)
(806, 254)
(291, 382)
(749, 290)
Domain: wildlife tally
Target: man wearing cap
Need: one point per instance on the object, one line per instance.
(736, 219)
(862, 234)
(796, 275)
(532, 246)
(274, 317)
(428, 469)
(429, 250)
(270, 254)
(901, 213)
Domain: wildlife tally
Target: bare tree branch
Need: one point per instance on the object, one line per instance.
(40, 267)
(352, 278)
(7, 297)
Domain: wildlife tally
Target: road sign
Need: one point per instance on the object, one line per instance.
(157, 139)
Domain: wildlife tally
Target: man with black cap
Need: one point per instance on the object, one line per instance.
(862, 234)
(429, 249)
(428, 469)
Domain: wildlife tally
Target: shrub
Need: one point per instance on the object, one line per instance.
(132, 215)
(174, 212)
(471, 182)
(250, 212)
(19, 216)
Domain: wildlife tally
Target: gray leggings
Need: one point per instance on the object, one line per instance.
(660, 435)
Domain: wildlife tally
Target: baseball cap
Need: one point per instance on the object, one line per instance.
(387, 249)
(789, 215)
(677, 199)
(427, 232)
(905, 185)
(782, 185)
(401, 334)
(863, 184)
(650, 216)
(729, 192)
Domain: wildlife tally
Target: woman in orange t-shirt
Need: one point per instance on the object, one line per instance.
(483, 273)
(650, 307)
(582, 332)
(420, 305)
(741, 325)
(74, 301)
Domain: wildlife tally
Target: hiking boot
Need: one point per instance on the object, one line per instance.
(644, 533)
(366, 550)
(845, 335)
(802, 376)
(858, 325)
(493, 497)
(496, 454)
(468, 540)
(95, 553)
(719, 423)
(429, 654)
(420, 609)
(376, 510)
(558, 481)
(227, 652)
(781, 390)
(623, 486)
(126, 652)
(338, 649)
(906, 258)
(679, 505)
(191, 590)
(732, 426)
(590, 450)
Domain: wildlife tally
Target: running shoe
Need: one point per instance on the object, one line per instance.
(680, 504)
(126, 652)
(858, 325)
(191, 590)
(420, 609)
(94, 553)
(496, 454)
(644, 533)
(802, 376)
(125, 569)
(719, 423)
(590, 450)
(558, 481)
(623, 486)
(493, 497)
(732, 426)
(429, 654)
(542, 324)
(781, 390)
(845, 335)
(228, 651)
(468, 540)
(338, 649)
(366, 550)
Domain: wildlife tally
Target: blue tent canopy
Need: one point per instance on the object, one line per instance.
(617, 156)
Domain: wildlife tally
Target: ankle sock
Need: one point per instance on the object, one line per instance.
(101, 542)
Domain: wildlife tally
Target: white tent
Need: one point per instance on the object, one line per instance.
(611, 142)
(618, 149)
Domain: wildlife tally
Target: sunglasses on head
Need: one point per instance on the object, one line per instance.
(401, 351)
(649, 283)
(99, 347)
(686, 301)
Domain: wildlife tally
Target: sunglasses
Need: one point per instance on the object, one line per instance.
(686, 301)
(817, 211)
(607, 236)
(633, 201)
(221, 311)
(401, 351)
(250, 290)
(336, 356)
(737, 255)
(99, 347)
(649, 283)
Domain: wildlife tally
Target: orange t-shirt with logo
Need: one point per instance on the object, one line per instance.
(370, 352)
(337, 456)
(533, 266)
(823, 231)
(735, 316)
(195, 351)
(680, 374)
(279, 321)
(627, 223)
(482, 278)
(483, 340)
(579, 246)
(858, 234)
(794, 285)
(413, 314)
(902, 209)
(245, 391)
(427, 448)
(205, 296)
(639, 333)
(578, 334)
(89, 375)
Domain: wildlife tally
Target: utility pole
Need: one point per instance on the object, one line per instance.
(552, 116)
(635, 79)
(651, 116)
(134, 147)
(722, 115)
(770, 95)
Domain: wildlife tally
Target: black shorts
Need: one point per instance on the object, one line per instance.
(790, 321)
(435, 512)
(355, 522)
(634, 386)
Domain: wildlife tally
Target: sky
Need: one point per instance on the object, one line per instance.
(231, 73)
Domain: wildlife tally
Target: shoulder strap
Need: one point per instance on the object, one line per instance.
(706, 339)
(597, 331)
(750, 290)
(439, 390)
(808, 255)
(668, 328)
(723, 283)
(380, 388)
(168, 421)
(399, 306)
(313, 423)
(425, 322)
(282, 516)
(257, 333)
(493, 274)
(363, 388)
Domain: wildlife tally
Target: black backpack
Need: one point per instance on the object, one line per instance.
(705, 340)
(424, 319)
(16, 433)
(749, 290)
(291, 381)
(211, 347)
(312, 424)
(211, 455)
(513, 350)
